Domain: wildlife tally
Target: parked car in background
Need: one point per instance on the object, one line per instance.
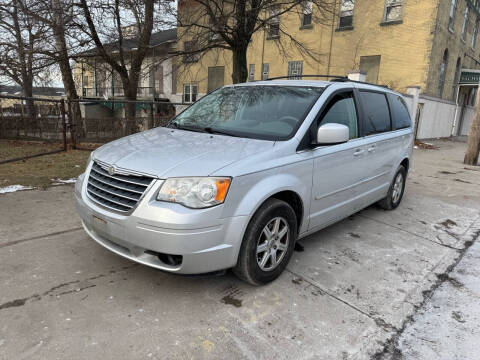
(242, 174)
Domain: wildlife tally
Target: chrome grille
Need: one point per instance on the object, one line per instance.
(118, 192)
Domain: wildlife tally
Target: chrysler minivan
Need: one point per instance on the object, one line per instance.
(242, 174)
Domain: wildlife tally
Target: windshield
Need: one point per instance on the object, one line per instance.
(260, 112)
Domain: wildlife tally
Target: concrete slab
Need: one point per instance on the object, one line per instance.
(448, 327)
(135, 311)
(23, 215)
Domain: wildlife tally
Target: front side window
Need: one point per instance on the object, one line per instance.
(307, 13)
(464, 26)
(400, 114)
(393, 10)
(260, 112)
(377, 113)
(341, 110)
(346, 14)
(451, 20)
(190, 92)
(295, 70)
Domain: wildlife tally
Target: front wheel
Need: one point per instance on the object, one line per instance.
(396, 190)
(268, 243)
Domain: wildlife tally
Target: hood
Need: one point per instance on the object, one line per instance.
(165, 152)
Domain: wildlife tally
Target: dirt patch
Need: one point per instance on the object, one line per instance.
(447, 172)
(462, 181)
(424, 145)
(230, 300)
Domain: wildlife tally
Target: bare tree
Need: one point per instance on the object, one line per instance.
(21, 40)
(204, 25)
(105, 23)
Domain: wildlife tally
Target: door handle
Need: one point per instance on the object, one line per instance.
(371, 148)
(358, 152)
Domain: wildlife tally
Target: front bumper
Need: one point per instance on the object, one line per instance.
(205, 241)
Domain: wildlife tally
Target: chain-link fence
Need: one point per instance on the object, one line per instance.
(31, 127)
(99, 121)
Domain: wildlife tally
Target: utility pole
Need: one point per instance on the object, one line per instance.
(473, 146)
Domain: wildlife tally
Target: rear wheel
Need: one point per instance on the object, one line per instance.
(396, 190)
(268, 243)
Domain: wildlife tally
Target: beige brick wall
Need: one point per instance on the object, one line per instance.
(404, 47)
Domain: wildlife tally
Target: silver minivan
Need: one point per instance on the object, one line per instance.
(242, 174)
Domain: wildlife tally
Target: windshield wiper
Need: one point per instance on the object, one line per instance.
(188, 128)
(211, 130)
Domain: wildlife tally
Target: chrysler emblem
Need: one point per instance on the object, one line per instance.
(111, 170)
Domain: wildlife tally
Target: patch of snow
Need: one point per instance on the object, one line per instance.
(14, 188)
(62, 181)
(415, 147)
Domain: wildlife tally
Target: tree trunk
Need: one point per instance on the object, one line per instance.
(239, 58)
(473, 146)
(58, 27)
(130, 87)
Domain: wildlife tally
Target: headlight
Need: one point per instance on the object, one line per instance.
(195, 192)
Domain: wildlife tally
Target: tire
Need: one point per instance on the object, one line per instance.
(259, 268)
(396, 190)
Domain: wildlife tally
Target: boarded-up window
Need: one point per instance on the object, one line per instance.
(251, 72)
(295, 70)
(216, 77)
(371, 66)
(265, 71)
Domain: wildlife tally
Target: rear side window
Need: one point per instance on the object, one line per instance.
(377, 113)
(400, 114)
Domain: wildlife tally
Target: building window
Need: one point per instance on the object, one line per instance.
(265, 71)
(214, 31)
(190, 92)
(295, 70)
(475, 34)
(307, 11)
(452, 15)
(274, 22)
(456, 79)
(346, 14)
(443, 71)
(190, 57)
(464, 26)
(393, 10)
(251, 72)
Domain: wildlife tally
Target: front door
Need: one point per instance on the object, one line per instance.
(338, 169)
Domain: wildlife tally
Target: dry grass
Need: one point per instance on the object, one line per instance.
(39, 171)
(10, 149)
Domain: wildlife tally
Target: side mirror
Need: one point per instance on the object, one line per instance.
(331, 134)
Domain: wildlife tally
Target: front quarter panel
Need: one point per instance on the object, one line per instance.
(249, 192)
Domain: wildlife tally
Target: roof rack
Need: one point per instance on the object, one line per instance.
(334, 77)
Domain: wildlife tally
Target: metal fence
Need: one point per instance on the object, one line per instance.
(31, 127)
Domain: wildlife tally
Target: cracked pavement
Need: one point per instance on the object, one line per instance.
(367, 287)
